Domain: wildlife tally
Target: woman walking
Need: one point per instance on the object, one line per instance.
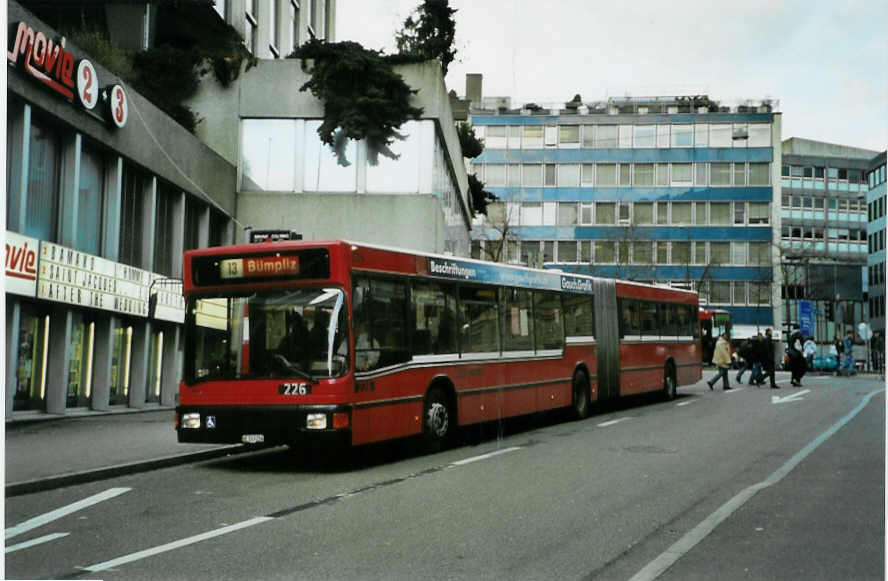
(722, 359)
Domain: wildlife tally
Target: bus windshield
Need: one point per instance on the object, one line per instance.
(277, 334)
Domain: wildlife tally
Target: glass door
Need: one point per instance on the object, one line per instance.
(80, 361)
(155, 366)
(120, 363)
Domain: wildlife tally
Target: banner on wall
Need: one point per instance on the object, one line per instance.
(21, 264)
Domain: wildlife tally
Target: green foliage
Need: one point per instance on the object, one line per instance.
(429, 32)
(363, 96)
(469, 143)
(168, 76)
(95, 44)
(480, 197)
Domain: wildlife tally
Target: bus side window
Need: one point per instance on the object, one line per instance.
(579, 315)
(516, 308)
(647, 314)
(434, 325)
(380, 313)
(548, 320)
(479, 332)
(629, 326)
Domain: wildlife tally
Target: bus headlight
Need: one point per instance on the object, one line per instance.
(316, 421)
(191, 421)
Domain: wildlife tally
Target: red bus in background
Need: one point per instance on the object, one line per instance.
(713, 322)
(293, 340)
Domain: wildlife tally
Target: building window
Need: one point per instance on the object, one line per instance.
(681, 212)
(588, 174)
(549, 174)
(681, 253)
(588, 136)
(250, 26)
(719, 213)
(586, 213)
(90, 201)
(759, 212)
(606, 136)
(269, 152)
(569, 136)
(720, 174)
(218, 228)
(294, 24)
(645, 136)
(625, 174)
(532, 175)
(496, 137)
(701, 135)
(625, 136)
(605, 213)
(43, 183)
(662, 135)
(567, 213)
(739, 174)
(533, 137)
(569, 175)
(739, 213)
(550, 135)
(274, 16)
(567, 251)
(682, 135)
(131, 212)
(642, 252)
(643, 213)
(164, 228)
(739, 254)
(193, 211)
(662, 174)
(606, 174)
(759, 174)
(605, 252)
(720, 135)
(681, 174)
(644, 174)
(513, 175)
(532, 214)
(495, 174)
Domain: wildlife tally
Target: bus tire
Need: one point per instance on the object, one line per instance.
(438, 420)
(580, 400)
(670, 385)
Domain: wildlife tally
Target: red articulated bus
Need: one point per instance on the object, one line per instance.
(293, 341)
(713, 322)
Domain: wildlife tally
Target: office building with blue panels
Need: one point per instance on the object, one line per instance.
(875, 232)
(676, 190)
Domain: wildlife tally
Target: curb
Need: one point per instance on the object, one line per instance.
(62, 480)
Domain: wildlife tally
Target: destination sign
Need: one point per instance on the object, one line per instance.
(259, 267)
(508, 276)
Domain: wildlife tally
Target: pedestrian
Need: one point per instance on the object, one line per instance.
(745, 352)
(796, 358)
(722, 359)
(839, 347)
(767, 355)
(809, 349)
(876, 348)
(847, 364)
(757, 377)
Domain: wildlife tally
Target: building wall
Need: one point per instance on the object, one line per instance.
(876, 233)
(718, 230)
(294, 162)
(823, 235)
(97, 220)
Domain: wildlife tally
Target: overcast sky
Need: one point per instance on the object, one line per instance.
(826, 62)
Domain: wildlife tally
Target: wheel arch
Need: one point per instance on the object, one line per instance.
(445, 384)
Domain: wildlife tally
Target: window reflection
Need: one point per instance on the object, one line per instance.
(269, 151)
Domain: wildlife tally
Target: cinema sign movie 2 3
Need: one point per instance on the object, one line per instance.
(48, 61)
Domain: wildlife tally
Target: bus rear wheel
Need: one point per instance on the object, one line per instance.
(437, 420)
(670, 386)
(580, 406)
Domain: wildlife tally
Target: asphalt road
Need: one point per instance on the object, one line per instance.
(747, 484)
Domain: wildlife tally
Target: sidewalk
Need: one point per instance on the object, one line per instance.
(47, 453)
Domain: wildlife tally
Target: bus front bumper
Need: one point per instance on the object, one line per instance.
(268, 425)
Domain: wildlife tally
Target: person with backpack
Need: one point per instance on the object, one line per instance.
(750, 362)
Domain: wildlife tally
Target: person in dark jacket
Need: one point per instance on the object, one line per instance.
(747, 351)
(796, 358)
(767, 358)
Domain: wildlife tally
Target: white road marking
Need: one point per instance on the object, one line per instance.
(176, 544)
(683, 403)
(793, 397)
(58, 513)
(612, 422)
(485, 456)
(668, 558)
(37, 541)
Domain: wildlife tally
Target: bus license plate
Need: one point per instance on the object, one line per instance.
(253, 438)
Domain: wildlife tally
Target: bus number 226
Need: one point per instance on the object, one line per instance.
(294, 389)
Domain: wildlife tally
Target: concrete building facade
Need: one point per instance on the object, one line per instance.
(677, 190)
(875, 235)
(823, 239)
(104, 192)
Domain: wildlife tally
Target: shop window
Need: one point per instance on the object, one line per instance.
(164, 229)
(155, 366)
(121, 346)
(90, 198)
(43, 183)
(193, 211)
(80, 361)
(131, 212)
(30, 372)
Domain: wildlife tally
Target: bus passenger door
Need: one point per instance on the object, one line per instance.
(607, 335)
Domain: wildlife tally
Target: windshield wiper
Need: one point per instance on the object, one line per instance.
(293, 368)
